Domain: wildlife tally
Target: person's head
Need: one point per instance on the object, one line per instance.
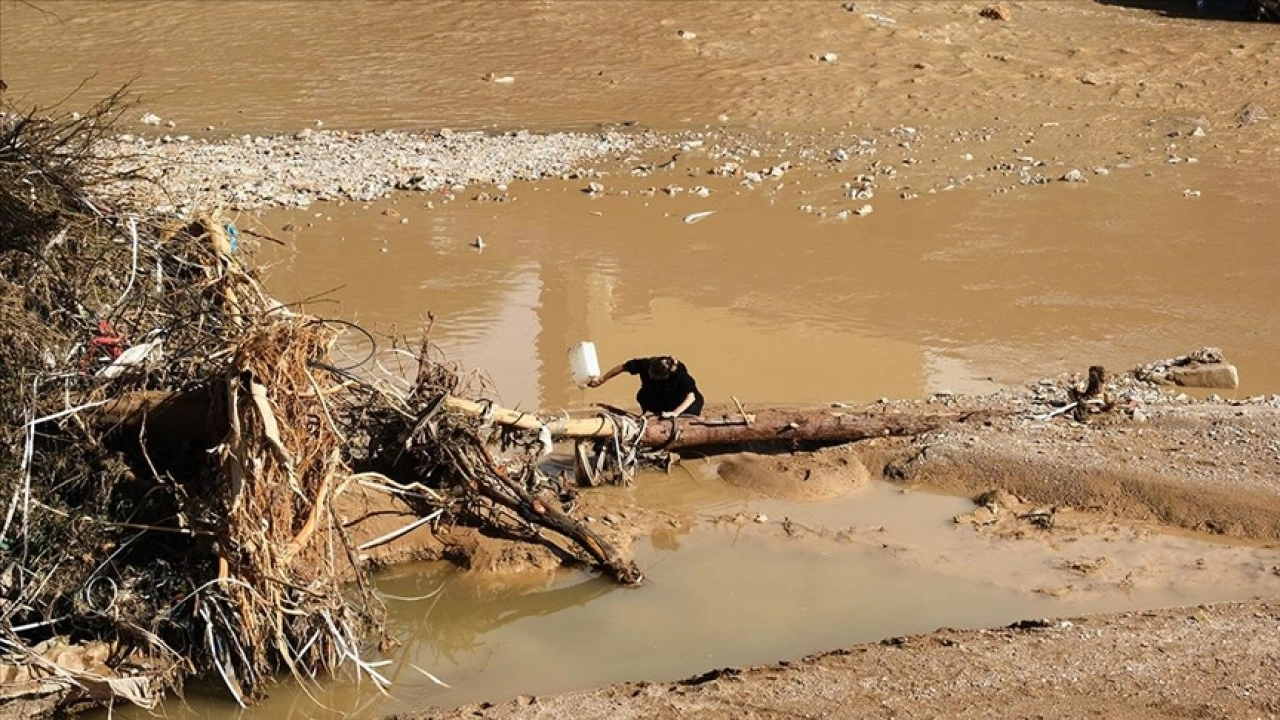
(660, 368)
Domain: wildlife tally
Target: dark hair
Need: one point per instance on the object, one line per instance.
(661, 368)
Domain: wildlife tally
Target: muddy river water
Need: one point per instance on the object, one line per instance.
(975, 283)
(722, 594)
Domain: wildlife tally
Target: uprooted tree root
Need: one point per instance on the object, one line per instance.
(174, 443)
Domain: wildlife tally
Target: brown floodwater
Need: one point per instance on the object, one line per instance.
(775, 306)
(959, 291)
(965, 289)
(728, 595)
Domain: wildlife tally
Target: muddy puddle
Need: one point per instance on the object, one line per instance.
(775, 306)
(729, 593)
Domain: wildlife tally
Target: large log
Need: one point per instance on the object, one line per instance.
(783, 427)
(794, 427)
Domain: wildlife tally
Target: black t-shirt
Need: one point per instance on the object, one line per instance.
(665, 395)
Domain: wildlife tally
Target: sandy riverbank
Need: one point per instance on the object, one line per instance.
(1210, 661)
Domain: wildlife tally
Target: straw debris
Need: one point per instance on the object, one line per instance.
(175, 444)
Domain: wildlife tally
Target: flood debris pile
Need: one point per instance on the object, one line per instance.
(175, 447)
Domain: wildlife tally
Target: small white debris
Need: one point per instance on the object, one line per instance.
(864, 210)
(686, 35)
(828, 57)
(762, 518)
(1190, 193)
(133, 357)
(692, 218)
(1074, 176)
(150, 119)
(478, 243)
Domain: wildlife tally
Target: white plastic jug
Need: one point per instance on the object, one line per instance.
(583, 363)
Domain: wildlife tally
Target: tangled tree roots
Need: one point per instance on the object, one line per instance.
(174, 443)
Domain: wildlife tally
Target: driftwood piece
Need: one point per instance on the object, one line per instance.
(496, 485)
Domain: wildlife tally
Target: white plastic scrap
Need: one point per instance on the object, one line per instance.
(134, 356)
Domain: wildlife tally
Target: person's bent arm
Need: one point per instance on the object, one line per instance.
(688, 400)
(613, 372)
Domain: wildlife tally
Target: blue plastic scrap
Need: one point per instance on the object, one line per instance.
(234, 235)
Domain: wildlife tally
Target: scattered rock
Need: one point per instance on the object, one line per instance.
(1092, 78)
(150, 119)
(864, 210)
(1206, 375)
(1204, 368)
(593, 188)
(996, 12)
(1250, 114)
(1074, 176)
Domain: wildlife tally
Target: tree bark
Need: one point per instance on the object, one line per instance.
(795, 427)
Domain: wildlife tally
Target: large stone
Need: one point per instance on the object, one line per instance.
(1206, 375)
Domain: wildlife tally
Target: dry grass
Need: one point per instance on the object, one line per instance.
(180, 509)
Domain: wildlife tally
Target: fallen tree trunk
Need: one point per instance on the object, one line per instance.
(794, 427)
(821, 425)
(798, 427)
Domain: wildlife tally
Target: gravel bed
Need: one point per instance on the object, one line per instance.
(299, 169)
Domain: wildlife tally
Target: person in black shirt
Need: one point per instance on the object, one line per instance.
(666, 387)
